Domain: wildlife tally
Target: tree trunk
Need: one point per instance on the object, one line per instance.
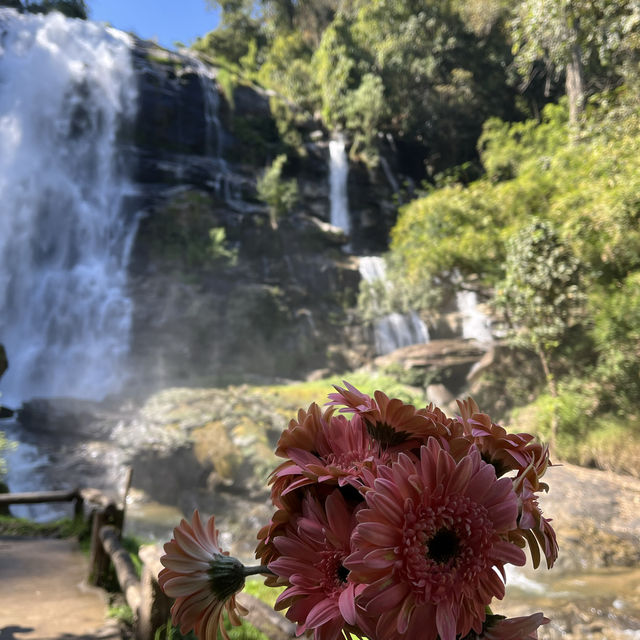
(574, 83)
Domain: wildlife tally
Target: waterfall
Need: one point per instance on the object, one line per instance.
(338, 174)
(392, 330)
(476, 325)
(66, 88)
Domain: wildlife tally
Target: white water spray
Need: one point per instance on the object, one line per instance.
(66, 86)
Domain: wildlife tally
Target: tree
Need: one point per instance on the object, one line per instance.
(237, 34)
(571, 37)
(540, 295)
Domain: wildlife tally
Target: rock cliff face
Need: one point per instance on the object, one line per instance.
(218, 294)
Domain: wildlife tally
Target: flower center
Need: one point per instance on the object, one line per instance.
(446, 546)
(334, 573)
(343, 573)
(443, 546)
(385, 435)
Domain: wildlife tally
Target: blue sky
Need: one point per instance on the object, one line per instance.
(168, 21)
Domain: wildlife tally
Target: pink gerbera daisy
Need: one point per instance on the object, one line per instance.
(391, 423)
(533, 527)
(340, 451)
(202, 578)
(430, 545)
(505, 451)
(501, 628)
(320, 596)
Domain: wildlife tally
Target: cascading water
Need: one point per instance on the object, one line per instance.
(393, 330)
(66, 88)
(338, 174)
(476, 325)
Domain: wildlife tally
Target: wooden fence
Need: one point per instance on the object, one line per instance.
(143, 594)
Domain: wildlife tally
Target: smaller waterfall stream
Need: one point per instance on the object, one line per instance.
(476, 325)
(392, 330)
(338, 174)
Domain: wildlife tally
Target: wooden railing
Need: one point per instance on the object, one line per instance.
(149, 604)
(147, 601)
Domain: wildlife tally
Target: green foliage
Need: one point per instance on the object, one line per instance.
(364, 111)
(63, 528)
(287, 67)
(616, 332)
(584, 193)
(256, 587)
(287, 119)
(218, 249)
(427, 74)
(123, 613)
(541, 292)
(245, 631)
(452, 228)
(334, 69)
(237, 38)
(551, 30)
(587, 190)
(226, 80)
(279, 195)
(586, 435)
(507, 148)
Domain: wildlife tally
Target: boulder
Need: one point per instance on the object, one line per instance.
(441, 363)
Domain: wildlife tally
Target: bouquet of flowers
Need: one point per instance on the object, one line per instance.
(390, 522)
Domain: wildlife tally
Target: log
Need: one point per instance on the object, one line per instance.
(39, 496)
(126, 572)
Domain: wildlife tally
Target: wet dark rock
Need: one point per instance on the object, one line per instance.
(62, 418)
(272, 302)
(4, 363)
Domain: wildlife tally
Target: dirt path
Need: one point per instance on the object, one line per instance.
(44, 594)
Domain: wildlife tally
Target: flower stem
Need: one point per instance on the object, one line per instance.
(253, 571)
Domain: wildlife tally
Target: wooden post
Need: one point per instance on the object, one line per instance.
(98, 558)
(155, 605)
(78, 507)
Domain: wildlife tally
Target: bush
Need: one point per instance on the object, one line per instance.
(279, 195)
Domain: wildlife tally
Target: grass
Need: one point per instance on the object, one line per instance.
(257, 588)
(302, 394)
(245, 631)
(63, 528)
(122, 613)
